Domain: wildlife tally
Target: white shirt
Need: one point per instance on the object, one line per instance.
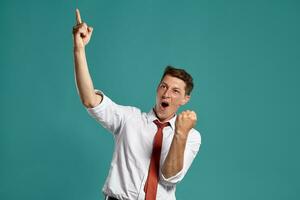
(133, 133)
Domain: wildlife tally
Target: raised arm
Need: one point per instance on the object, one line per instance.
(81, 36)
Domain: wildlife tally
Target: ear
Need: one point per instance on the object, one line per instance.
(185, 99)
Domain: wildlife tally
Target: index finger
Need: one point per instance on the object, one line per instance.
(78, 18)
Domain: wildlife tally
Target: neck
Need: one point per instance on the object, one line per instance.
(163, 120)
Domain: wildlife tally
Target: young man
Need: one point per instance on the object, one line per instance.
(154, 150)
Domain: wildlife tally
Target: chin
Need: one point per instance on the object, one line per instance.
(164, 116)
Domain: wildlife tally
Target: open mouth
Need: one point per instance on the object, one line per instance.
(164, 104)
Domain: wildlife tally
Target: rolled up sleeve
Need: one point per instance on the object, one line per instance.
(191, 150)
(109, 114)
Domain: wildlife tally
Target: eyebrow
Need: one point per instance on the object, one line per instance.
(168, 85)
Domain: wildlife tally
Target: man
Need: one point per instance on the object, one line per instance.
(154, 150)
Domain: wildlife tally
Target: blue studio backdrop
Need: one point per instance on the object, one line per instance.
(244, 57)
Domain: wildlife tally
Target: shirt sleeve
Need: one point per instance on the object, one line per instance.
(191, 150)
(109, 114)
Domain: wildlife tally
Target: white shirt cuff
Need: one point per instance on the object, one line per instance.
(173, 179)
(101, 105)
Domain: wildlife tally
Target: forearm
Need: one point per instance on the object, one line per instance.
(175, 158)
(83, 79)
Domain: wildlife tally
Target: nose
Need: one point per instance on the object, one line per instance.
(166, 93)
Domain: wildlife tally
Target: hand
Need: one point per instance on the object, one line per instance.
(185, 121)
(81, 32)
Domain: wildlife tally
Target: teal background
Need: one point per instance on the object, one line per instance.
(244, 56)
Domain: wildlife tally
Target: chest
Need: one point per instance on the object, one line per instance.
(137, 139)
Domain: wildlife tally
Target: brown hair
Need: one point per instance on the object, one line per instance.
(181, 74)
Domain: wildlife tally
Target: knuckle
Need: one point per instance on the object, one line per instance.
(82, 30)
(75, 31)
(75, 28)
(80, 26)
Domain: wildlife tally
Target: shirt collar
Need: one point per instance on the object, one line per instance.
(152, 116)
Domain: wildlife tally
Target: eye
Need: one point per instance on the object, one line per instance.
(162, 86)
(176, 91)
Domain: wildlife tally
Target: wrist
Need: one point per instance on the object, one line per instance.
(181, 134)
(78, 49)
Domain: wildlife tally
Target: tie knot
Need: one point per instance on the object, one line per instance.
(161, 125)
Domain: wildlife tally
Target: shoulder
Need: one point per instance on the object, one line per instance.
(132, 110)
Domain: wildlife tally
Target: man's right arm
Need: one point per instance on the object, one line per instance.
(81, 36)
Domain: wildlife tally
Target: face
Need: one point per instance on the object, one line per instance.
(170, 95)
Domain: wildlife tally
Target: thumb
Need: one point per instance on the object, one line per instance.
(90, 29)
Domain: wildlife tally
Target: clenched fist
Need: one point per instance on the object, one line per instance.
(81, 32)
(185, 121)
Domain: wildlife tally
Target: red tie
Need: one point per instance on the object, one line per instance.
(153, 174)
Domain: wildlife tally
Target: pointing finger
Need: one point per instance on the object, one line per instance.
(78, 18)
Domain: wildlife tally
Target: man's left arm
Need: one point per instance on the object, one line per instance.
(174, 161)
